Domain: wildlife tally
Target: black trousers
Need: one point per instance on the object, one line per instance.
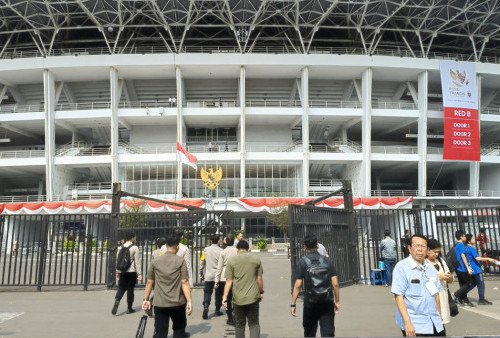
(207, 295)
(465, 281)
(241, 314)
(322, 313)
(229, 310)
(126, 283)
(164, 314)
(435, 334)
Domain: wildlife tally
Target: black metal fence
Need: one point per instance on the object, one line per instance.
(440, 224)
(333, 229)
(80, 250)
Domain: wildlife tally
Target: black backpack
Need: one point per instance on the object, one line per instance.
(317, 281)
(451, 258)
(124, 261)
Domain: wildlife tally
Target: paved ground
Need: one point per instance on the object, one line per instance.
(365, 311)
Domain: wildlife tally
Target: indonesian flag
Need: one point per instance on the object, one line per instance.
(185, 157)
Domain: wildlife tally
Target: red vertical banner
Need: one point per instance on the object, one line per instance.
(461, 134)
(461, 117)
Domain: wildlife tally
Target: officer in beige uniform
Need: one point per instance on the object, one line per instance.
(128, 279)
(169, 274)
(208, 268)
(220, 279)
(185, 253)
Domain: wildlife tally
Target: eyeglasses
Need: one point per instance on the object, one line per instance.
(420, 246)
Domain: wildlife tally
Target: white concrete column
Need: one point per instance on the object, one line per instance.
(49, 95)
(304, 84)
(366, 103)
(242, 93)
(115, 100)
(343, 135)
(423, 89)
(474, 166)
(180, 124)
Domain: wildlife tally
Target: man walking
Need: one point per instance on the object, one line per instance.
(128, 277)
(416, 287)
(208, 268)
(388, 249)
(464, 271)
(172, 292)
(220, 279)
(160, 250)
(185, 253)
(321, 296)
(244, 275)
(239, 237)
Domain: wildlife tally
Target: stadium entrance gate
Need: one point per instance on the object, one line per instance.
(334, 228)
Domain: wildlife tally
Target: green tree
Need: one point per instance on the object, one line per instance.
(279, 216)
(135, 216)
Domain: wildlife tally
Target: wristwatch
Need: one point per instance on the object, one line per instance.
(293, 305)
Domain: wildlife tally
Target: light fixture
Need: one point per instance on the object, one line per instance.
(4, 140)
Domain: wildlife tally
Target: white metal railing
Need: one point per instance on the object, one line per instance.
(335, 104)
(273, 103)
(88, 197)
(214, 148)
(91, 186)
(82, 149)
(212, 104)
(490, 111)
(352, 145)
(23, 198)
(207, 139)
(491, 150)
(435, 150)
(22, 153)
(448, 193)
(435, 106)
(14, 53)
(390, 193)
(148, 104)
(327, 183)
(394, 105)
(14, 108)
(275, 147)
(133, 149)
(83, 106)
(489, 193)
(394, 150)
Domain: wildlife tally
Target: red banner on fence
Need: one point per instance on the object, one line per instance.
(461, 134)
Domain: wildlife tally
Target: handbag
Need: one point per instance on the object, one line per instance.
(453, 304)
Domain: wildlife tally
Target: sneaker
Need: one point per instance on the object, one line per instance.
(130, 310)
(115, 307)
(484, 302)
(458, 301)
(230, 321)
(205, 313)
(467, 302)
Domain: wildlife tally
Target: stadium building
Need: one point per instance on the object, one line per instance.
(287, 97)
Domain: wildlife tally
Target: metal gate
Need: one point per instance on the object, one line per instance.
(334, 228)
(54, 250)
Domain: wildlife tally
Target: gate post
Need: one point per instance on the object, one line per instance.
(112, 246)
(291, 236)
(353, 233)
(43, 254)
(88, 252)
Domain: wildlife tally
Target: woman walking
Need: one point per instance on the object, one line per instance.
(444, 274)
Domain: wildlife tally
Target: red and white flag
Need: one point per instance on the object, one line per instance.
(185, 157)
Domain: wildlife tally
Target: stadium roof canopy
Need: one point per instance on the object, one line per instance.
(420, 28)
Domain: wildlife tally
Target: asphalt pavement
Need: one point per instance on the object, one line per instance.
(364, 311)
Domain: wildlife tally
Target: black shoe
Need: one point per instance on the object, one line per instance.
(130, 310)
(230, 321)
(218, 313)
(484, 302)
(115, 307)
(205, 313)
(458, 301)
(467, 302)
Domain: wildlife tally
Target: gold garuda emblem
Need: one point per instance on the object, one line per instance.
(210, 178)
